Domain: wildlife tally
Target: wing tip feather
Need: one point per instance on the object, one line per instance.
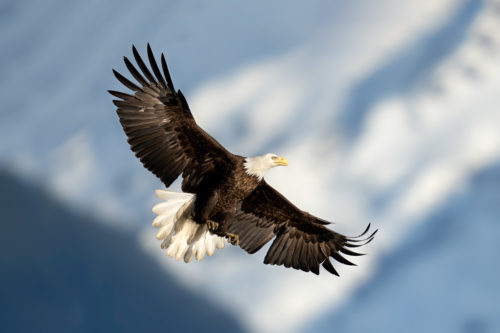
(154, 66)
(142, 65)
(329, 267)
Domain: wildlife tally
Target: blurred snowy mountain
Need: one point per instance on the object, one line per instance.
(65, 272)
(446, 272)
(385, 110)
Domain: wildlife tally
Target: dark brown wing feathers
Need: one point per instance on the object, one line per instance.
(302, 240)
(161, 129)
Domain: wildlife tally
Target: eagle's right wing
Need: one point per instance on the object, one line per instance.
(161, 130)
(302, 240)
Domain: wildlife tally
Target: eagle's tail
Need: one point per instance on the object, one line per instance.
(181, 235)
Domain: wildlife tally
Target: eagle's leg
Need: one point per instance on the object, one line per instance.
(204, 204)
(225, 219)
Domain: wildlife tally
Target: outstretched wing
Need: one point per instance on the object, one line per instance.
(161, 130)
(302, 240)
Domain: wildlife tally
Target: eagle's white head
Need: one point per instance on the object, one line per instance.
(257, 166)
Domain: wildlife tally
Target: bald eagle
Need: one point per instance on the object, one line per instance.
(224, 195)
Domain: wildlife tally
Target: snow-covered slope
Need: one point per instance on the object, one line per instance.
(384, 110)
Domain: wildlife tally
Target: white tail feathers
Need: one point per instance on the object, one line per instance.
(181, 236)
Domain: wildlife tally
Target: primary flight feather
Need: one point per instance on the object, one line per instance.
(225, 194)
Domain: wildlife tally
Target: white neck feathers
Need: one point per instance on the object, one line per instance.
(257, 166)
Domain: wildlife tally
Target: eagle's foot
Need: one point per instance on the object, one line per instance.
(233, 239)
(212, 226)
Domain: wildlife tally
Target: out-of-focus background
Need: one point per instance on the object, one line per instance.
(388, 112)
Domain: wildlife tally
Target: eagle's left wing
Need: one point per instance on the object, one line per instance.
(302, 240)
(162, 131)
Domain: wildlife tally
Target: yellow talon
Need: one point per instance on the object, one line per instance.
(233, 239)
(212, 225)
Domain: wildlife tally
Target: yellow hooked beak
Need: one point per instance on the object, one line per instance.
(282, 161)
